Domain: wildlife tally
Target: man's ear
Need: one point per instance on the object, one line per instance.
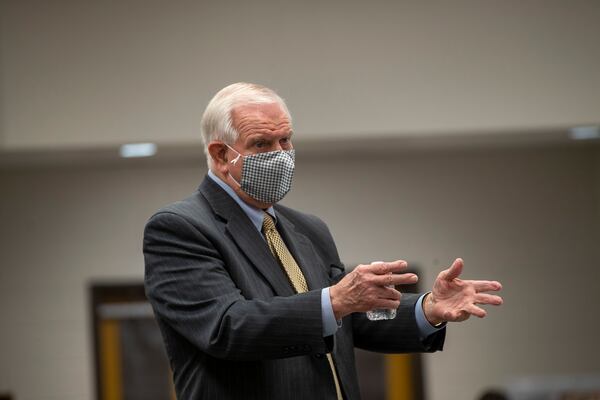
(218, 153)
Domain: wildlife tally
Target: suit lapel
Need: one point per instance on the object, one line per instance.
(254, 246)
(303, 252)
(246, 236)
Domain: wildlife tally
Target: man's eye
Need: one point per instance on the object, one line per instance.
(259, 145)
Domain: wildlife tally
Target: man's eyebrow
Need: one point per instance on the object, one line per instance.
(267, 137)
(258, 137)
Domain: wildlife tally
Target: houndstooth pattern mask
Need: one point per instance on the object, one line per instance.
(267, 177)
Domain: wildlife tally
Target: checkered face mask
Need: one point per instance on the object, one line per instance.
(266, 177)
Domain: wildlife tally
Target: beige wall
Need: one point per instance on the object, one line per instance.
(524, 217)
(77, 75)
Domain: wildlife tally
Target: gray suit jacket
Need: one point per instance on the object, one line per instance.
(233, 326)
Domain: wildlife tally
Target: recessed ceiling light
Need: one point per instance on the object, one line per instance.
(137, 150)
(585, 132)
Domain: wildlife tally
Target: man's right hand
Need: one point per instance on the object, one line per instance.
(366, 288)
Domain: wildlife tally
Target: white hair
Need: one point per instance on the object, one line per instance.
(216, 121)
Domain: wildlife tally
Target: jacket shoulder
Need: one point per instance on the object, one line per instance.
(193, 209)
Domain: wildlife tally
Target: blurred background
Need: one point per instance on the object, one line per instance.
(424, 131)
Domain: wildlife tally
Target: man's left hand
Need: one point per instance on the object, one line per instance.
(454, 299)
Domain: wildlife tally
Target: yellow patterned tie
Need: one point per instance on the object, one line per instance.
(294, 274)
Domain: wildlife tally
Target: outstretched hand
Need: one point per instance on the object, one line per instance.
(454, 299)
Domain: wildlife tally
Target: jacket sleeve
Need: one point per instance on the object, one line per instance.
(399, 335)
(190, 289)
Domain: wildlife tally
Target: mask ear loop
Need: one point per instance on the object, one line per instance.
(235, 160)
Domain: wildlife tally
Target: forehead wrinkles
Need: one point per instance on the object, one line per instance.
(259, 122)
(255, 126)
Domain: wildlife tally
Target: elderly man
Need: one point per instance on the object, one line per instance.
(251, 296)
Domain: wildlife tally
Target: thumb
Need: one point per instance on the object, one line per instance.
(455, 270)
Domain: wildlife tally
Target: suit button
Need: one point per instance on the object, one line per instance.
(319, 355)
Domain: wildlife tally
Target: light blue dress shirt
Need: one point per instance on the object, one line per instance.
(330, 325)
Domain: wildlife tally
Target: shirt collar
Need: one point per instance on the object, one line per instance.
(256, 215)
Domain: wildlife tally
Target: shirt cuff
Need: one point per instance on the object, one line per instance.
(425, 327)
(330, 325)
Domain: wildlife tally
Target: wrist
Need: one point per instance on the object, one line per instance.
(428, 309)
(336, 304)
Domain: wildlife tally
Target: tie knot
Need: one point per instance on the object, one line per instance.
(268, 223)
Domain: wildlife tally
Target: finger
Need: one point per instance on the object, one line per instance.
(482, 298)
(455, 270)
(395, 279)
(389, 293)
(476, 311)
(382, 268)
(486, 286)
(385, 303)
